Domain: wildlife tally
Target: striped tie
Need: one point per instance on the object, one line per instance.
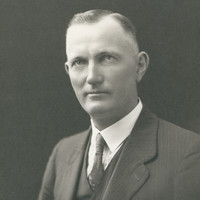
(97, 170)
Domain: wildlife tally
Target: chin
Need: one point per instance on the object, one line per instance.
(97, 110)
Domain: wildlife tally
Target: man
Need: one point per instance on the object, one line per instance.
(128, 153)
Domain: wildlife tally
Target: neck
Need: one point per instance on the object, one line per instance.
(106, 120)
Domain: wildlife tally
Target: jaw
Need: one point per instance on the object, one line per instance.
(105, 114)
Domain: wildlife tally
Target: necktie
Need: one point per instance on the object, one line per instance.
(97, 170)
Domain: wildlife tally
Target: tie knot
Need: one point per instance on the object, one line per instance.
(99, 144)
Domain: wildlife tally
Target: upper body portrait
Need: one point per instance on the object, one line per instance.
(127, 153)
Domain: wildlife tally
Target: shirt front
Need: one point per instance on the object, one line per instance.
(114, 137)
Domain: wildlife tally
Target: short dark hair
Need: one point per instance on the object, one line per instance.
(93, 16)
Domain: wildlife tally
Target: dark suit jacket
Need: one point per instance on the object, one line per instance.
(159, 161)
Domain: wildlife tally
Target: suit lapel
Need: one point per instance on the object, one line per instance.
(130, 172)
(73, 166)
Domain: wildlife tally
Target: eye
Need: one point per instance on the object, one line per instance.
(107, 59)
(79, 63)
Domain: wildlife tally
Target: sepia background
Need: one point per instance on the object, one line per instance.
(38, 106)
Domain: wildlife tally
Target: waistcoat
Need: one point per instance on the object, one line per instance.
(84, 191)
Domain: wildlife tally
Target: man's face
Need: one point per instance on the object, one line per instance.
(102, 66)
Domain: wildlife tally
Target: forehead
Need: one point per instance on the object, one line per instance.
(107, 31)
(103, 24)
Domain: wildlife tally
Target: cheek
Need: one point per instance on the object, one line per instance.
(76, 85)
(123, 78)
(75, 79)
(124, 83)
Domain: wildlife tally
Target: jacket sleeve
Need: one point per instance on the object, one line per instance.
(46, 191)
(187, 185)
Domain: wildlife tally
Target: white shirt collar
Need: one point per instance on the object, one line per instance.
(115, 134)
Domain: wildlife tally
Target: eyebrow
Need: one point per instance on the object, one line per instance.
(100, 53)
(109, 52)
(76, 58)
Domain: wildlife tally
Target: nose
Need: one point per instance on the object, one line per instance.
(94, 76)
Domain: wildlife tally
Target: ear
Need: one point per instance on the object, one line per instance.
(67, 68)
(142, 65)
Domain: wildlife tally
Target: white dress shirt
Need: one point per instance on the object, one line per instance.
(114, 137)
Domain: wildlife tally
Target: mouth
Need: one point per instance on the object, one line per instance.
(96, 93)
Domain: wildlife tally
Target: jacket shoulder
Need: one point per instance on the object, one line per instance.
(170, 128)
(72, 141)
(178, 138)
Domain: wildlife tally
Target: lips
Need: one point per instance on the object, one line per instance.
(96, 92)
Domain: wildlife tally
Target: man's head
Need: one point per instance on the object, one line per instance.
(104, 64)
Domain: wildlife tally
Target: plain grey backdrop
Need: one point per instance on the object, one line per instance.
(38, 106)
